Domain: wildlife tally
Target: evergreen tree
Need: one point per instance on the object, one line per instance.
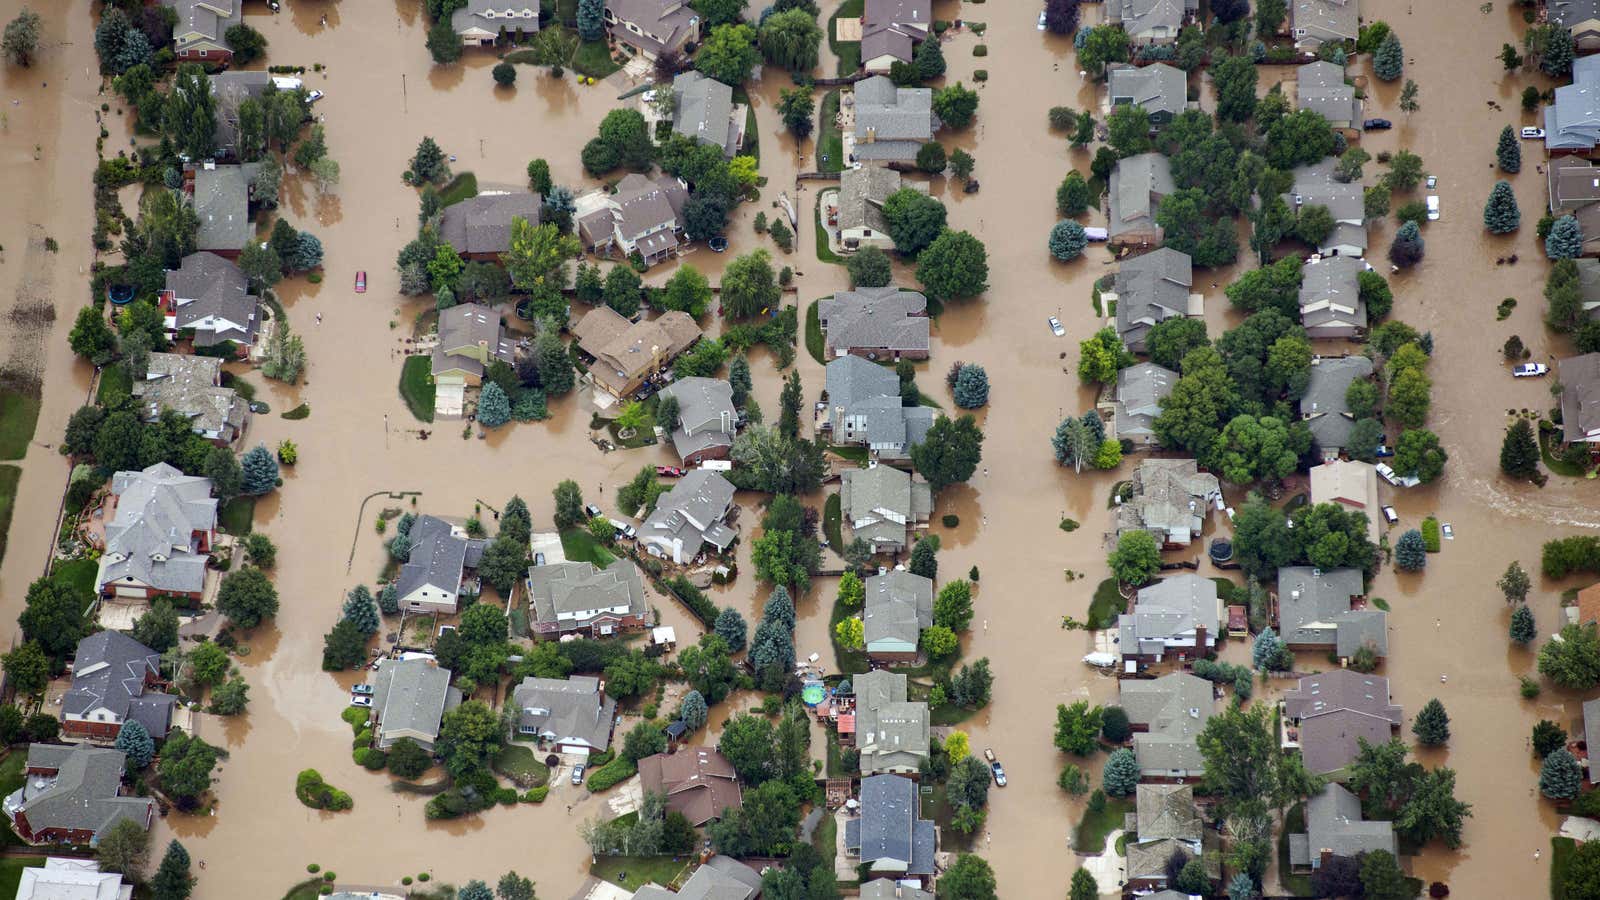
(494, 407)
(1121, 774)
(1407, 248)
(1240, 887)
(1522, 625)
(1432, 724)
(135, 740)
(1410, 553)
(1519, 453)
(1389, 60)
(924, 559)
(360, 609)
(731, 627)
(172, 880)
(1558, 53)
(1067, 240)
(591, 19)
(1560, 776)
(389, 600)
(1548, 737)
(930, 60)
(971, 387)
(555, 366)
(1264, 654)
(1083, 886)
(1565, 240)
(1509, 151)
(693, 711)
(260, 470)
(1500, 213)
(739, 379)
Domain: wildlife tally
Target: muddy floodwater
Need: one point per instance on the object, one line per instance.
(1448, 625)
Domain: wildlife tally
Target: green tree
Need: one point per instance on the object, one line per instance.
(189, 116)
(1235, 81)
(749, 286)
(261, 265)
(1170, 340)
(1189, 228)
(1251, 448)
(1574, 661)
(208, 664)
(790, 39)
(469, 736)
(1102, 356)
(1129, 130)
(969, 878)
(950, 452)
(1519, 452)
(537, 254)
(494, 407)
(21, 39)
(1314, 224)
(185, 769)
(1565, 240)
(924, 557)
(1121, 774)
(1078, 728)
(1275, 286)
(729, 53)
(1067, 240)
(1200, 403)
(953, 607)
(1389, 61)
(158, 628)
(1136, 559)
(931, 158)
(92, 338)
(1515, 583)
(1500, 213)
(1083, 886)
(1418, 454)
(1508, 152)
(913, 219)
(443, 43)
(343, 647)
(124, 848)
(28, 668)
(1103, 44)
(134, 740)
(1432, 724)
(794, 107)
(1072, 197)
(955, 105)
(1410, 396)
(869, 267)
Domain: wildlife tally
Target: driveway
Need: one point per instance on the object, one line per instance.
(1109, 869)
(548, 543)
(626, 797)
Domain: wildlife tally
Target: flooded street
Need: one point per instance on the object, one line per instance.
(384, 94)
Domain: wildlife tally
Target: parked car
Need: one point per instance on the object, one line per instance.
(1433, 208)
(1055, 327)
(999, 774)
(314, 96)
(538, 559)
(674, 471)
(362, 689)
(1377, 124)
(361, 701)
(1433, 182)
(1530, 370)
(1383, 451)
(592, 510)
(577, 773)
(1390, 516)
(1532, 134)
(361, 282)
(1041, 20)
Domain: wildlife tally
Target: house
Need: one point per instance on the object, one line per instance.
(114, 679)
(209, 296)
(705, 111)
(1316, 22)
(1580, 397)
(479, 228)
(864, 409)
(898, 606)
(1587, 608)
(567, 598)
(1150, 21)
(201, 29)
(1138, 185)
(1581, 17)
(652, 27)
(1162, 91)
(690, 516)
(574, 714)
(192, 387)
(471, 338)
(892, 123)
(1321, 88)
(885, 889)
(1572, 122)
(1135, 401)
(891, 732)
(409, 700)
(1150, 861)
(73, 794)
(1331, 307)
(882, 504)
(1166, 715)
(1149, 290)
(1325, 610)
(1331, 712)
(889, 837)
(626, 354)
(862, 193)
(891, 31)
(1589, 271)
(160, 527)
(71, 879)
(479, 23)
(698, 782)
(1180, 615)
(1166, 812)
(886, 323)
(644, 216)
(220, 195)
(720, 878)
(431, 580)
(1171, 499)
(1591, 735)
(707, 419)
(1334, 827)
(1574, 187)
(1352, 484)
(1315, 185)
(1323, 406)
(228, 90)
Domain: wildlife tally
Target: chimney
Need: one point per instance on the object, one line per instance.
(1199, 641)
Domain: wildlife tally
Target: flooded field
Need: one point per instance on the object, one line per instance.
(383, 95)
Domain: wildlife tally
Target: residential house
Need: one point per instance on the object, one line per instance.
(479, 228)
(862, 193)
(573, 714)
(1162, 91)
(705, 111)
(1317, 22)
(1581, 17)
(160, 527)
(689, 517)
(644, 216)
(882, 504)
(200, 33)
(480, 23)
(1580, 397)
(192, 387)
(891, 732)
(886, 889)
(228, 90)
(471, 338)
(435, 571)
(890, 838)
(1572, 122)
(1323, 406)
(1167, 714)
(886, 323)
(1325, 609)
(1151, 289)
(707, 419)
(1587, 609)
(115, 679)
(1331, 307)
(1150, 21)
(1134, 402)
(627, 354)
(891, 31)
(220, 195)
(71, 879)
(1330, 713)
(208, 296)
(1149, 862)
(1138, 185)
(578, 597)
(1589, 274)
(1180, 616)
(892, 123)
(1315, 185)
(409, 700)
(1352, 484)
(652, 27)
(1591, 735)
(1334, 827)
(1574, 188)
(73, 794)
(864, 409)
(1171, 499)
(899, 605)
(719, 878)
(1321, 88)
(698, 782)
(1165, 812)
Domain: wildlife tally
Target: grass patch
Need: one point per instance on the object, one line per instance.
(116, 385)
(19, 415)
(951, 714)
(613, 773)
(848, 52)
(77, 575)
(832, 519)
(824, 252)
(632, 871)
(644, 435)
(1430, 534)
(814, 343)
(1554, 462)
(1293, 823)
(1106, 605)
(237, 516)
(520, 764)
(826, 840)
(936, 806)
(310, 889)
(594, 59)
(848, 451)
(581, 546)
(299, 412)
(416, 386)
(10, 780)
(830, 143)
(11, 872)
(462, 187)
(9, 477)
(850, 662)
(1561, 850)
(1090, 835)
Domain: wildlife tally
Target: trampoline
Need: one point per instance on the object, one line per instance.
(812, 693)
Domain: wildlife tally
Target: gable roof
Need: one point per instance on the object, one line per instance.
(203, 23)
(1167, 811)
(705, 111)
(1170, 610)
(191, 385)
(664, 23)
(890, 319)
(891, 121)
(1334, 824)
(208, 291)
(720, 878)
(882, 502)
(150, 540)
(1175, 709)
(1335, 710)
(1151, 288)
(692, 513)
(1315, 185)
(1572, 122)
(1580, 396)
(437, 557)
(482, 224)
(1171, 499)
(699, 782)
(889, 835)
(1330, 294)
(566, 708)
(491, 16)
(1141, 388)
(899, 604)
(649, 205)
(1315, 609)
(222, 203)
(1319, 21)
(1572, 183)
(706, 414)
(862, 193)
(412, 695)
(1150, 20)
(109, 672)
(564, 592)
(1323, 404)
(1320, 87)
(1138, 183)
(878, 687)
(886, 889)
(625, 350)
(84, 794)
(850, 379)
(465, 331)
(1158, 89)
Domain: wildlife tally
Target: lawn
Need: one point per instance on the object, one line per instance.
(10, 780)
(850, 661)
(416, 386)
(644, 435)
(1555, 463)
(238, 515)
(826, 840)
(19, 413)
(832, 517)
(632, 871)
(1293, 823)
(849, 451)
(79, 575)
(521, 765)
(581, 546)
(830, 143)
(594, 59)
(1561, 850)
(9, 476)
(310, 889)
(824, 252)
(849, 52)
(462, 187)
(1090, 835)
(1106, 605)
(116, 385)
(11, 872)
(814, 344)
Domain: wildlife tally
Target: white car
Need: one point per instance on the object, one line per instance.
(357, 700)
(314, 96)
(1433, 182)
(1530, 370)
(1532, 134)
(1041, 20)
(1433, 208)
(361, 690)
(1055, 327)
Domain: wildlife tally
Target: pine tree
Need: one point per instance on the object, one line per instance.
(693, 710)
(1509, 151)
(1560, 776)
(924, 559)
(1522, 625)
(172, 880)
(1266, 651)
(1432, 724)
(1407, 247)
(591, 22)
(1410, 553)
(1519, 453)
(1240, 887)
(1389, 61)
(1083, 886)
(135, 740)
(972, 386)
(1500, 214)
(1558, 53)
(389, 600)
(739, 379)
(1121, 774)
(1548, 737)
(1565, 240)
(260, 471)
(731, 627)
(494, 407)
(361, 610)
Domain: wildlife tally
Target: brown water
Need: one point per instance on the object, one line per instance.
(383, 95)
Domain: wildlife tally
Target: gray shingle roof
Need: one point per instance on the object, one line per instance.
(1320, 87)
(494, 15)
(1151, 289)
(574, 589)
(467, 332)
(851, 379)
(1171, 499)
(411, 695)
(1573, 183)
(192, 385)
(1330, 295)
(886, 319)
(886, 889)
(705, 112)
(566, 708)
(1323, 405)
(1141, 388)
(1570, 13)
(482, 224)
(1572, 122)
(222, 202)
(85, 793)
(150, 540)
(1314, 185)
(891, 122)
(1148, 20)
(665, 23)
(1138, 184)
(898, 606)
(1325, 20)
(436, 560)
(108, 672)
(203, 23)
(1336, 708)
(647, 211)
(1580, 396)
(1167, 811)
(892, 28)
(1175, 708)
(213, 297)
(1159, 89)
(882, 502)
(697, 504)
(890, 836)
(879, 687)
(721, 878)
(862, 193)
(1314, 609)
(1334, 823)
(706, 415)
(1170, 610)
(892, 736)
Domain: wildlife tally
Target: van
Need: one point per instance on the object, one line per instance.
(1390, 516)
(1433, 208)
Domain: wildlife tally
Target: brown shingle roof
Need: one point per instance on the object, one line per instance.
(700, 783)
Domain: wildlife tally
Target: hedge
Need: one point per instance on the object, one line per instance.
(537, 795)
(371, 758)
(1430, 534)
(692, 597)
(311, 790)
(612, 774)
(1566, 556)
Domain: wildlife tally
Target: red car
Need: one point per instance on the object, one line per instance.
(361, 282)
(669, 471)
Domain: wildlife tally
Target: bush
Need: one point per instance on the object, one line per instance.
(612, 773)
(505, 74)
(318, 794)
